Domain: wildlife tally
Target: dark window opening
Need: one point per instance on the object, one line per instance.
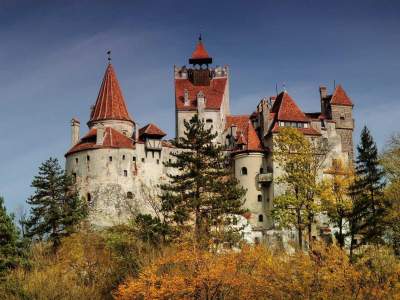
(129, 195)
(261, 171)
(152, 154)
(259, 198)
(243, 171)
(125, 173)
(74, 177)
(342, 118)
(260, 218)
(110, 158)
(89, 197)
(76, 160)
(123, 157)
(134, 158)
(88, 158)
(209, 120)
(143, 159)
(158, 161)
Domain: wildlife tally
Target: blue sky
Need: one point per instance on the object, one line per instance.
(52, 59)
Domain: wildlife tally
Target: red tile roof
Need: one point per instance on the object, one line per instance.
(112, 139)
(287, 110)
(246, 134)
(200, 52)
(339, 97)
(110, 103)
(213, 93)
(305, 131)
(151, 130)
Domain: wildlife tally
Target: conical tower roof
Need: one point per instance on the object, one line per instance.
(200, 54)
(110, 103)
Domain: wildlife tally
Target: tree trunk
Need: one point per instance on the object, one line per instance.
(299, 230)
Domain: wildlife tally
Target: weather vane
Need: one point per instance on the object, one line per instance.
(109, 55)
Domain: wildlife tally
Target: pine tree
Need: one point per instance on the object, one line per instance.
(202, 195)
(367, 191)
(55, 206)
(10, 244)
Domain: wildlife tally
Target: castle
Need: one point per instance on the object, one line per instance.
(117, 166)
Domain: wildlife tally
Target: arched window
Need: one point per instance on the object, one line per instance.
(89, 197)
(243, 171)
(129, 195)
(259, 198)
(260, 218)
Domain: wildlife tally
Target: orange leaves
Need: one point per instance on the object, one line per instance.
(254, 273)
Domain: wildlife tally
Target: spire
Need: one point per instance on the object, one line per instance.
(110, 103)
(200, 55)
(340, 97)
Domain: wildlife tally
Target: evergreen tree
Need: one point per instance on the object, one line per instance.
(202, 195)
(55, 206)
(10, 244)
(368, 210)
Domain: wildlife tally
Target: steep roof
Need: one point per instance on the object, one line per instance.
(214, 93)
(200, 52)
(245, 134)
(112, 139)
(110, 103)
(151, 130)
(286, 109)
(339, 97)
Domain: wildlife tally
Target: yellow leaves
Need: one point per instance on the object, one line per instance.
(257, 273)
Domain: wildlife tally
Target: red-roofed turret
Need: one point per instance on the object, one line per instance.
(200, 55)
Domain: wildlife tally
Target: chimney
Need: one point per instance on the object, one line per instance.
(136, 132)
(100, 135)
(201, 102)
(75, 126)
(323, 92)
(186, 98)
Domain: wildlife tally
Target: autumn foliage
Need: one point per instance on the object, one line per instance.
(259, 273)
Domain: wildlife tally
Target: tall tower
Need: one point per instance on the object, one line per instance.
(201, 89)
(339, 108)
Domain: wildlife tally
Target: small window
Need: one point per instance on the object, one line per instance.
(110, 158)
(88, 158)
(134, 158)
(260, 218)
(74, 177)
(259, 198)
(143, 160)
(76, 160)
(152, 154)
(169, 160)
(123, 157)
(89, 197)
(261, 171)
(209, 121)
(125, 173)
(243, 171)
(125, 132)
(342, 117)
(129, 195)
(158, 161)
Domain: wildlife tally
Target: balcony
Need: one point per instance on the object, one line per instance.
(264, 178)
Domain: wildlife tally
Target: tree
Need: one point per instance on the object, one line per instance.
(367, 216)
(335, 198)
(11, 250)
(300, 161)
(55, 206)
(201, 192)
(390, 160)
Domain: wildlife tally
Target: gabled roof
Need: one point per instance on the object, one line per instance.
(151, 130)
(112, 139)
(110, 103)
(214, 93)
(286, 109)
(246, 135)
(339, 97)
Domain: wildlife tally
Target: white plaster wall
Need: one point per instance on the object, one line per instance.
(253, 162)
